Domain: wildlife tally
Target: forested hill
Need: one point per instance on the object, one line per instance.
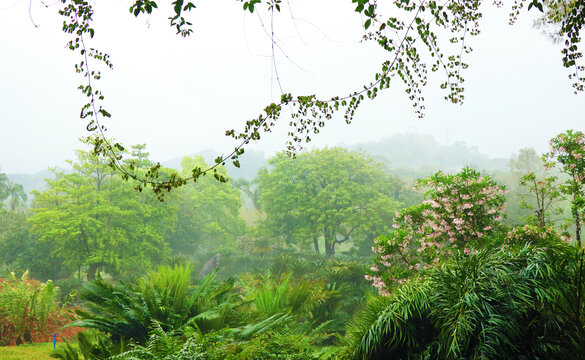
(423, 152)
(31, 182)
(412, 152)
(415, 152)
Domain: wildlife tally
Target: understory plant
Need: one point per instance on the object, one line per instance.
(127, 313)
(519, 301)
(223, 345)
(30, 311)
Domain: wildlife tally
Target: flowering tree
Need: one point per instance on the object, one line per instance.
(460, 212)
(568, 151)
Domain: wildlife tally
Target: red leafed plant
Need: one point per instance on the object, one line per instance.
(30, 312)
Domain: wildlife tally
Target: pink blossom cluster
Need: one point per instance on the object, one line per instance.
(459, 212)
(568, 149)
(379, 284)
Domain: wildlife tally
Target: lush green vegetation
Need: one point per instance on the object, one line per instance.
(456, 274)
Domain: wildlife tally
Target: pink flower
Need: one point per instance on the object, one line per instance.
(458, 221)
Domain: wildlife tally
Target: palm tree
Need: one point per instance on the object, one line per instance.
(15, 192)
(3, 187)
(250, 189)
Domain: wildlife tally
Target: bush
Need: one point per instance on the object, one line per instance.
(513, 302)
(29, 311)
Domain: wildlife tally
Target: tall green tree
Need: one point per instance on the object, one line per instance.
(96, 220)
(208, 213)
(330, 194)
(21, 250)
(535, 194)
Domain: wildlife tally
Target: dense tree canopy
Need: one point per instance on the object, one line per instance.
(95, 220)
(330, 194)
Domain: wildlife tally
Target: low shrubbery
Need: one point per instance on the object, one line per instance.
(164, 315)
(518, 301)
(30, 312)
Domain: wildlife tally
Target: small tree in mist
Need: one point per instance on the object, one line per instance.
(568, 151)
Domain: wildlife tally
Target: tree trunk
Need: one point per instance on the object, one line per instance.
(92, 271)
(329, 246)
(575, 210)
(316, 244)
(541, 219)
(578, 228)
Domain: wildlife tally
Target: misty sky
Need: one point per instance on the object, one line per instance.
(180, 95)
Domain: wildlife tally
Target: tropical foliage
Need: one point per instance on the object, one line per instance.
(496, 303)
(94, 220)
(29, 311)
(453, 279)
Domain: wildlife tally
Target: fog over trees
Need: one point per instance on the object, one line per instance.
(397, 245)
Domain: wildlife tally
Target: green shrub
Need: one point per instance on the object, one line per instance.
(516, 302)
(29, 311)
(222, 346)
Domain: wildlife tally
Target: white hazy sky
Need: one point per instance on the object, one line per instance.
(180, 95)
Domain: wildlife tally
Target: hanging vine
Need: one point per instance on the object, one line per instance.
(406, 43)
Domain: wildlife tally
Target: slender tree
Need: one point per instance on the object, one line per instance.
(3, 187)
(568, 151)
(16, 195)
